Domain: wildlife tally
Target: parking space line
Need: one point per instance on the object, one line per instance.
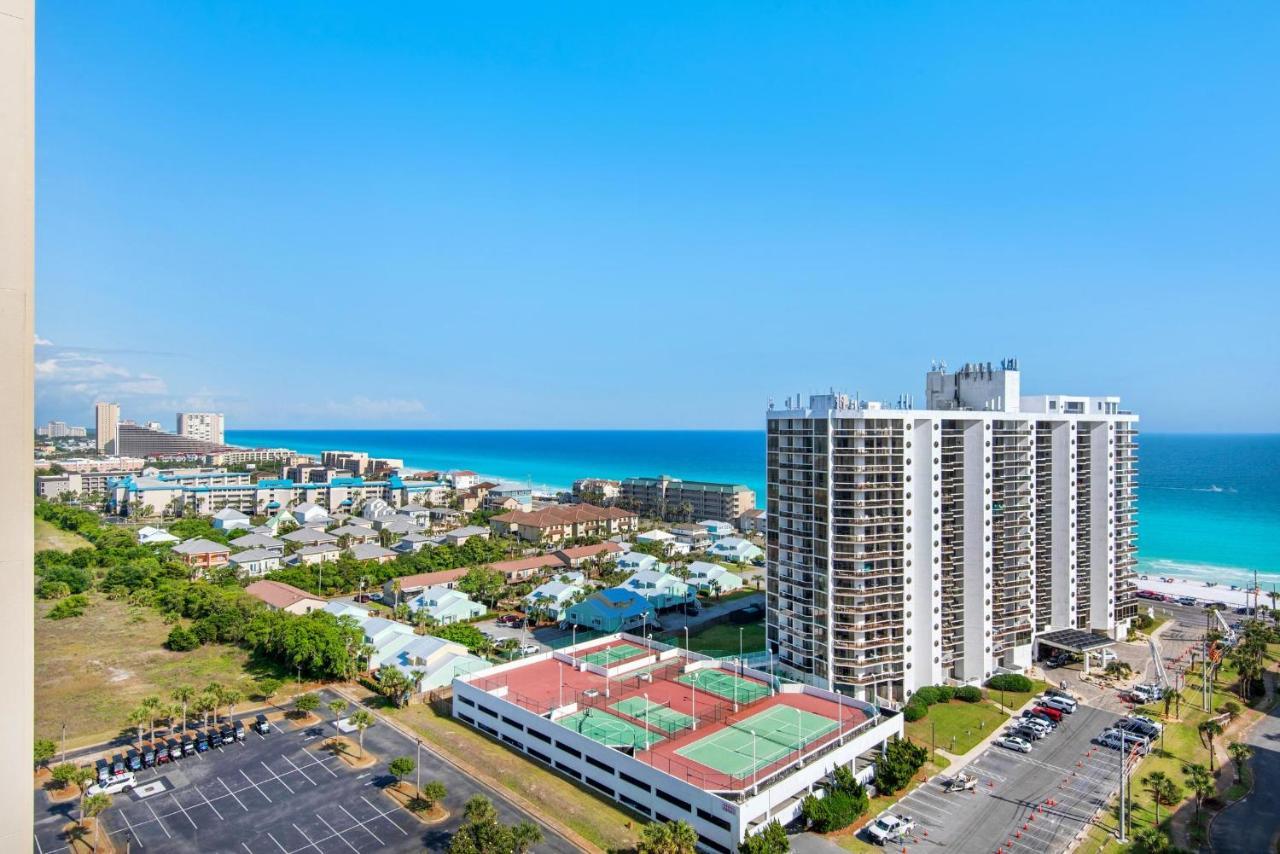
(245, 846)
(256, 786)
(310, 842)
(362, 825)
(299, 770)
(322, 762)
(167, 834)
(337, 834)
(210, 803)
(39, 850)
(184, 811)
(120, 812)
(277, 842)
(277, 776)
(233, 794)
(383, 815)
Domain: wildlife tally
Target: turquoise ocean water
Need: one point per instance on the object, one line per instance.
(1209, 505)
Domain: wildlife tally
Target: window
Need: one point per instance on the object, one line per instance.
(539, 755)
(601, 786)
(602, 766)
(575, 753)
(487, 728)
(634, 804)
(568, 770)
(714, 819)
(485, 710)
(467, 719)
(509, 740)
(674, 801)
(466, 701)
(514, 724)
(538, 735)
(639, 784)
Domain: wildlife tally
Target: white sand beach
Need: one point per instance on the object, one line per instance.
(1201, 592)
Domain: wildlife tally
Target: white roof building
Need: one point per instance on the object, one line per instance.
(149, 536)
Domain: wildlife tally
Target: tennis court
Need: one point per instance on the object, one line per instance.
(609, 730)
(747, 746)
(726, 685)
(612, 655)
(657, 715)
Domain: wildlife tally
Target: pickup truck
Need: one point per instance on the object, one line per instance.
(890, 827)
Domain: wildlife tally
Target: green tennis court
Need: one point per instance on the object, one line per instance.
(609, 730)
(657, 715)
(777, 732)
(612, 655)
(723, 684)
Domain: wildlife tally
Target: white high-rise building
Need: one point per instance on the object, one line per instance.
(205, 426)
(106, 424)
(911, 547)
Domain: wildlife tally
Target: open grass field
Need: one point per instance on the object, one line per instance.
(958, 725)
(722, 639)
(601, 822)
(50, 538)
(92, 670)
(1017, 699)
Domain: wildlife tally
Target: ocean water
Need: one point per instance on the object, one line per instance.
(1209, 505)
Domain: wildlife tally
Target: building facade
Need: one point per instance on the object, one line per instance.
(205, 426)
(917, 547)
(106, 421)
(670, 497)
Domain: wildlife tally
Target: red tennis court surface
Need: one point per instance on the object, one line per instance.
(541, 686)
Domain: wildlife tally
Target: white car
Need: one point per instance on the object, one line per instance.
(1014, 743)
(114, 785)
(890, 827)
(530, 649)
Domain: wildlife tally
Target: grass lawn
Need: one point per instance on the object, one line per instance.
(958, 725)
(50, 538)
(599, 821)
(1017, 699)
(92, 670)
(722, 639)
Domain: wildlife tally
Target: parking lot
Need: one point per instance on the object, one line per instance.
(1030, 803)
(279, 793)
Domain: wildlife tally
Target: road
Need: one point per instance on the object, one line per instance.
(1252, 824)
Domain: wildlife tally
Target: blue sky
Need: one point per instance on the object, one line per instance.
(652, 215)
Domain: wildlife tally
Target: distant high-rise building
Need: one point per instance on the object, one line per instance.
(205, 426)
(666, 496)
(910, 547)
(154, 425)
(106, 422)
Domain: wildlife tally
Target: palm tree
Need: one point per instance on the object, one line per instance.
(83, 777)
(1151, 840)
(338, 708)
(1201, 783)
(525, 835)
(231, 696)
(1208, 731)
(152, 705)
(216, 692)
(1162, 790)
(1167, 695)
(1240, 752)
(92, 807)
(138, 718)
(361, 720)
(204, 704)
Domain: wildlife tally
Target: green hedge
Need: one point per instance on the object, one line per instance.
(1010, 682)
(914, 711)
(969, 694)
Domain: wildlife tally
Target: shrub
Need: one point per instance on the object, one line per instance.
(1142, 622)
(844, 803)
(72, 606)
(1010, 682)
(182, 639)
(914, 710)
(53, 590)
(946, 693)
(927, 695)
(900, 762)
(969, 694)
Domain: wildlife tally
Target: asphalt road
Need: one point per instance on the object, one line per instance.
(1252, 824)
(278, 793)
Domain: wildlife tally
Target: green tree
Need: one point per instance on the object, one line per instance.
(1208, 731)
(1163, 790)
(1151, 840)
(481, 832)
(433, 792)
(771, 839)
(268, 688)
(230, 697)
(338, 708)
(1167, 695)
(524, 835)
(401, 767)
(1201, 783)
(361, 720)
(483, 585)
(182, 639)
(44, 750)
(1240, 753)
(183, 694)
(64, 774)
(672, 837)
(305, 704)
(152, 705)
(138, 719)
(92, 807)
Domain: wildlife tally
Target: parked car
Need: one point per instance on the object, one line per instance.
(261, 724)
(228, 733)
(1028, 733)
(118, 765)
(1062, 704)
(188, 745)
(1141, 726)
(162, 753)
(1049, 712)
(239, 731)
(1014, 743)
(103, 767)
(175, 749)
(134, 760)
(890, 827)
(515, 621)
(1186, 600)
(1039, 724)
(530, 649)
(1042, 718)
(1118, 738)
(148, 756)
(202, 743)
(114, 785)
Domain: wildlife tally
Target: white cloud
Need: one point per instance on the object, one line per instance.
(364, 408)
(43, 342)
(70, 374)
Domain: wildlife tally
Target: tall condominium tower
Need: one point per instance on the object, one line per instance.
(205, 426)
(106, 424)
(911, 547)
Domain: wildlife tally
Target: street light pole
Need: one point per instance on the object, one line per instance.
(1122, 786)
(418, 767)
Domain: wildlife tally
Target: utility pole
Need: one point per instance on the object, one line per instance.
(1123, 754)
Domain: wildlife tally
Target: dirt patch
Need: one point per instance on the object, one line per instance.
(404, 795)
(79, 837)
(303, 721)
(349, 752)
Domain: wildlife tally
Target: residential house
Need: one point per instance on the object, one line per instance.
(737, 550)
(637, 561)
(662, 589)
(279, 596)
(397, 525)
(372, 551)
(522, 569)
(712, 578)
(309, 537)
(444, 518)
(694, 536)
(463, 479)
(718, 530)
(459, 536)
(561, 522)
(580, 556)
(552, 598)
(319, 553)
(411, 543)
(752, 521)
(436, 660)
(355, 534)
(509, 496)
(612, 610)
(412, 585)
(259, 541)
(446, 605)
(416, 514)
(253, 563)
(149, 536)
(201, 554)
(656, 536)
(229, 519)
(308, 513)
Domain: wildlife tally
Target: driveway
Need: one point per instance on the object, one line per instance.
(1253, 823)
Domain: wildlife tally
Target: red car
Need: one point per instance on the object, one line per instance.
(1053, 714)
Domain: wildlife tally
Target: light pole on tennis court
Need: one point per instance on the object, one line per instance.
(646, 721)
(755, 770)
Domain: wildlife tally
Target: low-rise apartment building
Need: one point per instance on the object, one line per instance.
(670, 497)
(561, 522)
